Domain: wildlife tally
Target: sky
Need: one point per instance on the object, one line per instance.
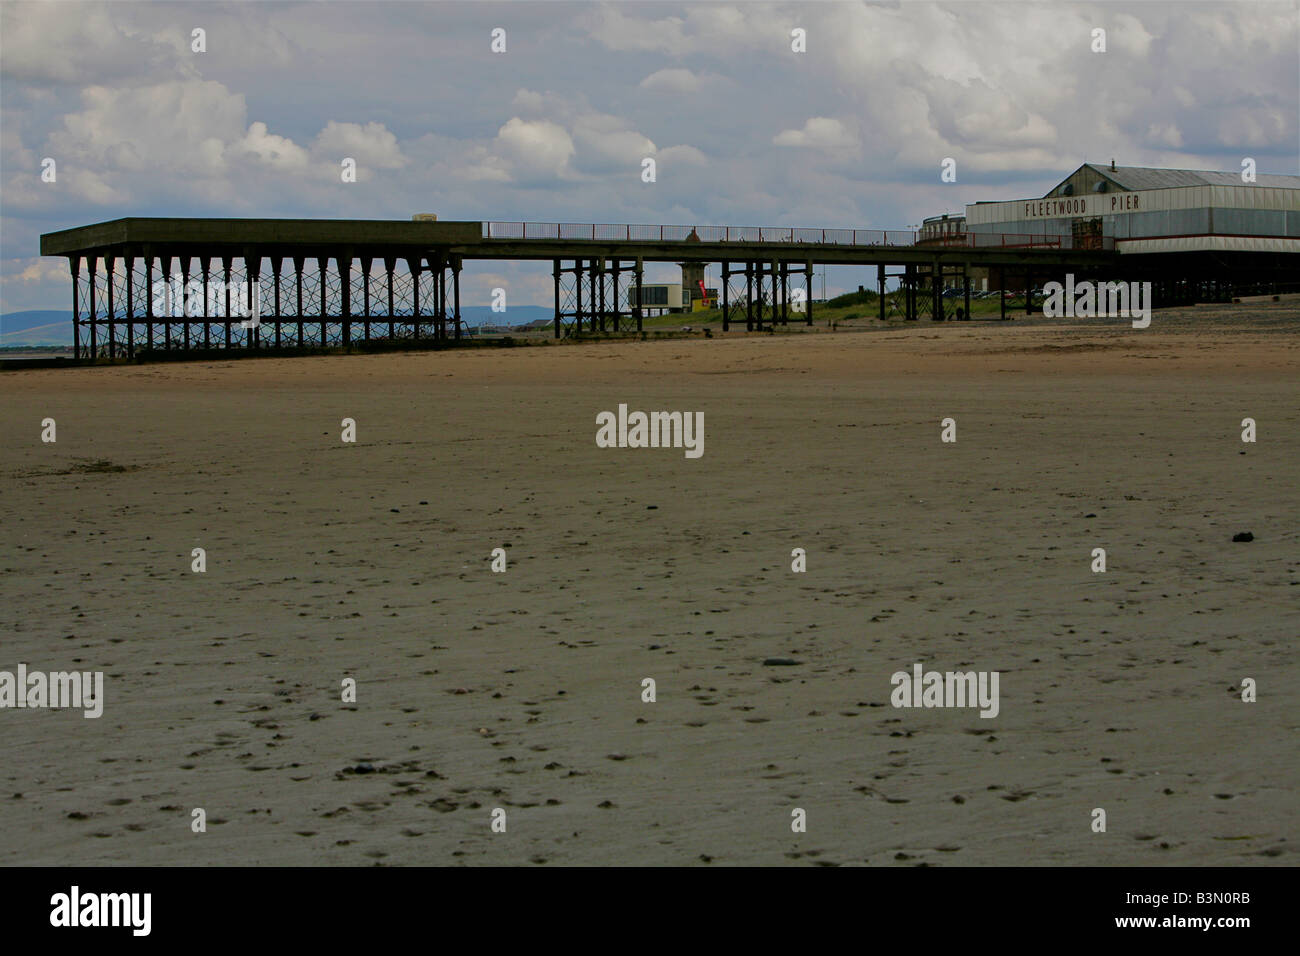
(852, 131)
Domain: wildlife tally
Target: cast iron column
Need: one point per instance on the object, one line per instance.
(74, 263)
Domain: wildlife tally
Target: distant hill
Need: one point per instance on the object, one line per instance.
(515, 315)
(37, 327)
(18, 321)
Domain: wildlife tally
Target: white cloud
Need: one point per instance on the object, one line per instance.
(86, 43)
(590, 142)
(1255, 127)
(672, 80)
(34, 270)
(529, 101)
(605, 143)
(822, 133)
(370, 145)
(535, 148)
(681, 155)
(1164, 134)
(556, 130)
(1127, 35)
(612, 29)
(274, 151)
(715, 30)
(171, 126)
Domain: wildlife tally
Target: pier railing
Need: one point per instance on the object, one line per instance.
(626, 232)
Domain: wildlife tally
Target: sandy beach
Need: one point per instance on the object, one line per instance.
(522, 690)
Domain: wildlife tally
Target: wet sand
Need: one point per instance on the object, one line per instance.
(523, 690)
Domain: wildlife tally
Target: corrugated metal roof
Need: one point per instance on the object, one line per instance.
(1144, 177)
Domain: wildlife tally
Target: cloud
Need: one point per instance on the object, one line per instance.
(267, 148)
(612, 29)
(1126, 34)
(1164, 134)
(530, 101)
(607, 143)
(534, 149)
(672, 80)
(370, 145)
(182, 126)
(681, 155)
(1257, 127)
(851, 133)
(83, 44)
(34, 270)
(592, 143)
(822, 133)
(715, 30)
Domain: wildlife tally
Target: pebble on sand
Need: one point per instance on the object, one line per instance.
(1243, 536)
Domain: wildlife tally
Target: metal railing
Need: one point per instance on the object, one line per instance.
(610, 232)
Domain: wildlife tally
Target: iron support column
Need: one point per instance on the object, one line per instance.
(555, 273)
(94, 280)
(640, 280)
(455, 292)
(276, 265)
(577, 285)
(345, 285)
(726, 296)
(129, 262)
(414, 266)
(148, 302)
(110, 269)
(936, 291)
(749, 296)
(808, 290)
(298, 263)
(390, 264)
(367, 263)
(599, 276)
(324, 263)
(617, 310)
(74, 263)
(225, 293)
